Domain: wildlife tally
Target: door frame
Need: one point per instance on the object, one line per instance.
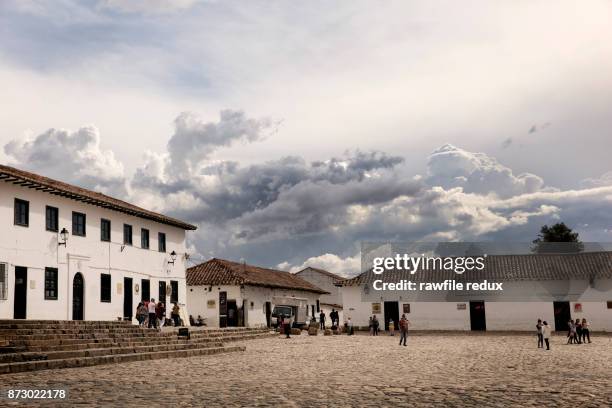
(20, 311)
(389, 313)
(561, 325)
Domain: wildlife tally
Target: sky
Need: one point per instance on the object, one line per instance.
(289, 132)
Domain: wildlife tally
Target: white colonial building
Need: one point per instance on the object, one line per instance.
(327, 281)
(229, 294)
(553, 287)
(71, 253)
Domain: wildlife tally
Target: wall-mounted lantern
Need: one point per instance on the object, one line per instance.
(64, 234)
(173, 257)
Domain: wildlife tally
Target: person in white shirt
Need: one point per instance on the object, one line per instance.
(152, 315)
(546, 334)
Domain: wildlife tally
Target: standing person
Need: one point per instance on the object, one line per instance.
(287, 326)
(403, 326)
(160, 313)
(175, 315)
(578, 325)
(334, 318)
(375, 325)
(586, 335)
(152, 314)
(349, 325)
(540, 336)
(371, 326)
(141, 314)
(571, 334)
(322, 319)
(546, 334)
(391, 328)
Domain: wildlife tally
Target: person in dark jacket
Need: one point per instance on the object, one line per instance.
(539, 332)
(322, 320)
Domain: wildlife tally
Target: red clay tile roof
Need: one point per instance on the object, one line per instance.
(336, 278)
(47, 185)
(530, 267)
(221, 272)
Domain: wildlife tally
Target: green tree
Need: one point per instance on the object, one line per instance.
(557, 238)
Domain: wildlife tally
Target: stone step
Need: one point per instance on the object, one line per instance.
(7, 368)
(128, 343)
(96, 352)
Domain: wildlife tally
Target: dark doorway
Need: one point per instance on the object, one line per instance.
(391, 313)
(232, 313)
(222, 309)
(128, 299)
(478, 318)
(21, 292)
(77, 296)
(562, 315)
(269, 313)
(162, 292)
(146, 290)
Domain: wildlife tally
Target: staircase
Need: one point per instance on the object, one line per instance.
(28, 345)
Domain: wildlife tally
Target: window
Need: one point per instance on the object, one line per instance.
(127, 234)
(105, 230)
(144, 238)
(50, 283)
(22, 212)
(105, 287)
(161, 239)
(78, 224)
(174, 293)
(318, 306)
(3, 281)
(146, 290)
(51, 215)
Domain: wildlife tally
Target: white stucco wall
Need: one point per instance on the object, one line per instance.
(35, 248)
(499, 315)
(255, 316)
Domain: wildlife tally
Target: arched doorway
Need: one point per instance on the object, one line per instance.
(77, 296)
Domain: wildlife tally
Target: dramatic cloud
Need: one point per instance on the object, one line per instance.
(195, 139)
(75, 157)
(450, 166)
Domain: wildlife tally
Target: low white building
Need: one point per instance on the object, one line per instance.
(229, 294)
(70, 253)
(553, 287)
(327, 281)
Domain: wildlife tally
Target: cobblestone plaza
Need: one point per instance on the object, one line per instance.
(434, 370)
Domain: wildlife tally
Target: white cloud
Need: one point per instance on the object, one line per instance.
(148, 6)
(72, 156)
(450, 166)
(349, 266)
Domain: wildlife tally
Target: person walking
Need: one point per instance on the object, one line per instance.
(586, 334)
(546, 334)
(403, 327)
(152, 314)
(160, 313)
(322, 319)
(287, 326)
(539, 331)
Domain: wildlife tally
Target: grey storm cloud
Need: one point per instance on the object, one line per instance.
(72, 156)
(195, 139)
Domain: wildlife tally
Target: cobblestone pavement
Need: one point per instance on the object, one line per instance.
(434, 370)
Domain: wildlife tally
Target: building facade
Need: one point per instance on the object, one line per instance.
(328, 282)
(553, 287)
(230, 294)
(70, 253)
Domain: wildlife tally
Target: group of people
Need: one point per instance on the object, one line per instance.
(374, 325)
(334, 316)
(404, 323)
(578, 332)
(153, 315)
